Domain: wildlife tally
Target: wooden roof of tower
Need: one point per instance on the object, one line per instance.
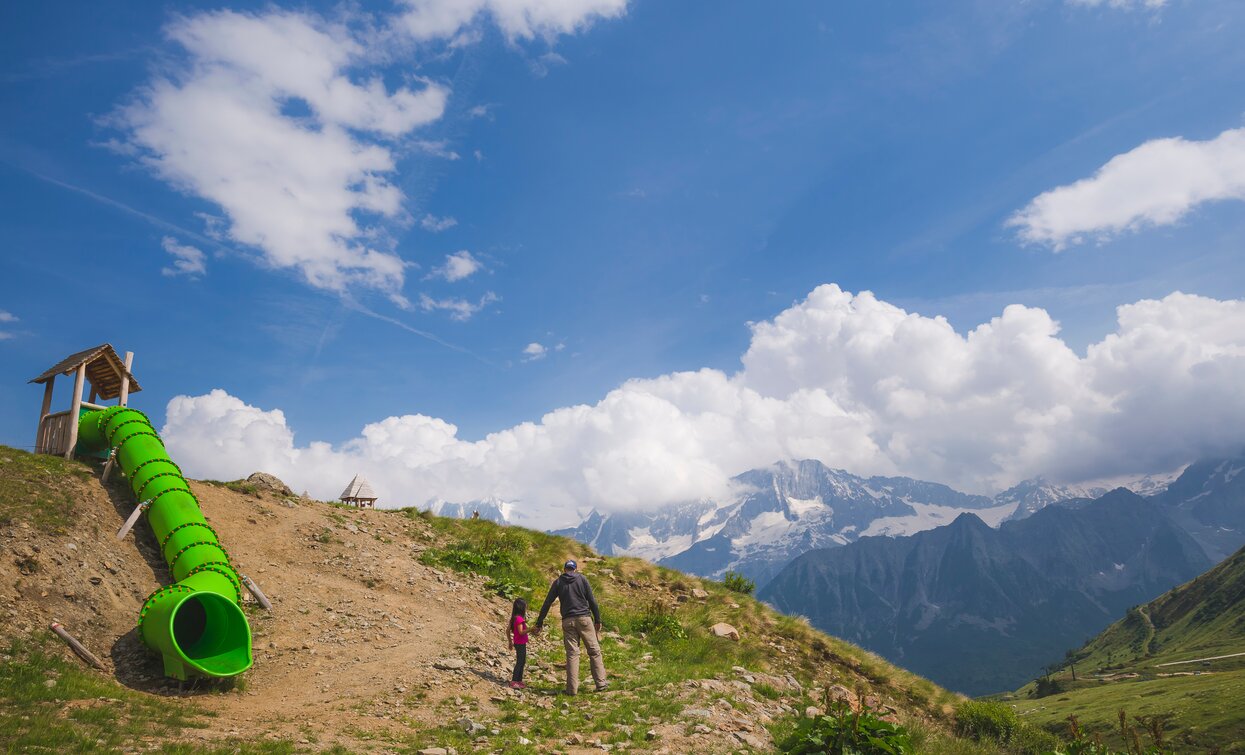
(103, 368)
(360, 488)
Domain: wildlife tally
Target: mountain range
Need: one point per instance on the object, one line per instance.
(979, 609)
(792, 507)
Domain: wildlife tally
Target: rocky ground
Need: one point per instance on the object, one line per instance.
(365, 646)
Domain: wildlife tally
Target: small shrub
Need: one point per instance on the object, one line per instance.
(1030, 740)
(983, 719)
(245, 488)
(766, 691)
(737, 582)
(659, 623)
(843, 732)
(506, 588)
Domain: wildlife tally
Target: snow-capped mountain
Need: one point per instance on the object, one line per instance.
(793, 507)
(492, 509)
(1034, 495)
(780, 512)
(1031, 496)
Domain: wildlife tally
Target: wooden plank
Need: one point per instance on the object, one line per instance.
(125, 380)
(47, 405)
(78, 380)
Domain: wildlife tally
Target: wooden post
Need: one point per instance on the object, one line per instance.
(47, 405)
(78, 380)
(94, 395)
(125, 380)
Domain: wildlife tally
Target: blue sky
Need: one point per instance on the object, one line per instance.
(632, 183)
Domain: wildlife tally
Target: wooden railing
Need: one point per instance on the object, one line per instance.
(54, 433)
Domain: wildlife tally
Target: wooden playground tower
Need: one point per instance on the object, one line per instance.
(110, 378)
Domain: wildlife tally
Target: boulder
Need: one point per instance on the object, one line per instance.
(449, 664)
(699, 594)
(269, 482)
(722, 629)
(471, 728)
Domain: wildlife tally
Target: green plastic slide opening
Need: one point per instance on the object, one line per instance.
(210, 633)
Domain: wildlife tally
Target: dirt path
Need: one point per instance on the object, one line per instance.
(1200, 660)
(349, 655)
(348, 651)
(1149, 640)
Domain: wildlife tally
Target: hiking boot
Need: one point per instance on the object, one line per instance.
(603, 687)
(516, 685)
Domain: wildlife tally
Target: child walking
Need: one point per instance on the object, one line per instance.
(516, 638)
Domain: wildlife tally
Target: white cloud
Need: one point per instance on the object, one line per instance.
(847, 379)
(458, 266)
(540, 66)
(187, 260)
(6, 318)
(459, 309)
(1157, 183)
(439, 148)
(291, 185)
(430, 222)
(518, 19)
(1121, 4)
(284, 120)
(534, 351)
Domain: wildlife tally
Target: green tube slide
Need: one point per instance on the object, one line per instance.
(196, 623)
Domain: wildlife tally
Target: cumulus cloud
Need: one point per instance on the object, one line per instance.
(1158, 183)
(459, 309)
(534, 351)
(847, 379)
(434, 224)
(284, 120)
(458, 266)
(187, 260)
(517, 19)
(265, 121)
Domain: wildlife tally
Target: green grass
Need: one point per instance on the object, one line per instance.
(1121, 667)
(662, 638)
(53, 705)
(1201, 711)
(656, 637)
(34, 488)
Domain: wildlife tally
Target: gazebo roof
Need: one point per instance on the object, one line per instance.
(103, 368)
(359, 487)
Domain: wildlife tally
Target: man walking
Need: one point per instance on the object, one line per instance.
(581, 620)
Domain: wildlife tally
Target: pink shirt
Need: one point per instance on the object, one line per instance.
(519, 639)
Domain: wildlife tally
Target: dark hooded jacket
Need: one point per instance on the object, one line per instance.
(574, 596)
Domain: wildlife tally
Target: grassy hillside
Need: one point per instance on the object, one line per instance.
(1162, 660)
(368, 607)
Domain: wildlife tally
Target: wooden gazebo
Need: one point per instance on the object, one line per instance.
(359, 493)
(110, 378)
